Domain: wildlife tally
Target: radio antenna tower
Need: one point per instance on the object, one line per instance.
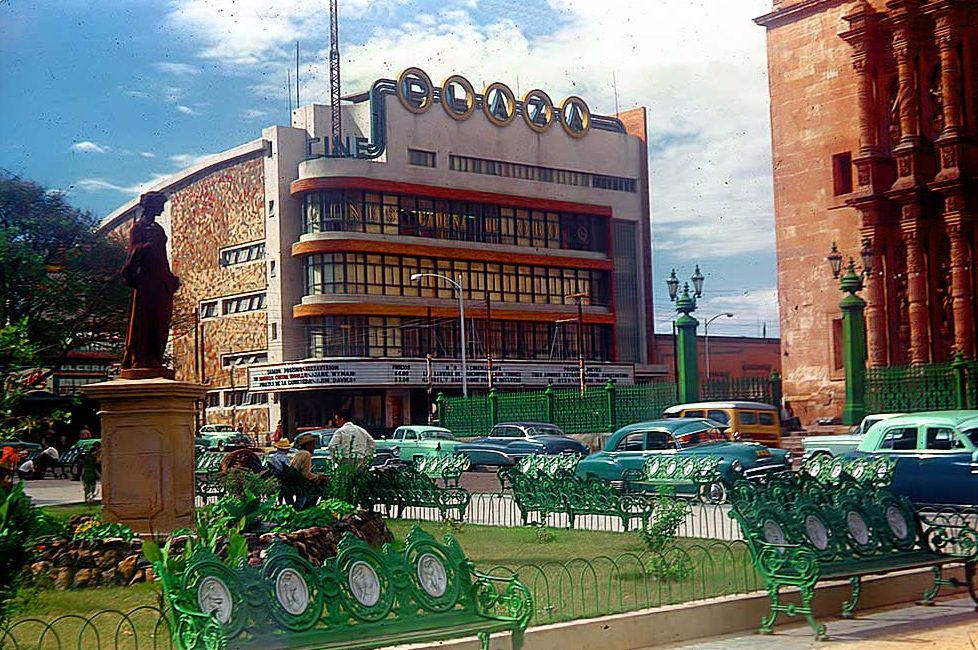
(334, 70)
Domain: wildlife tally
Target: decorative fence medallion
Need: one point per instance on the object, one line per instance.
(214, 597)
(364, 583)
(773, 533)
(432, 575)
(897, 523)
(671, 467)
(817, 534)
(858, 529)
(292, 592)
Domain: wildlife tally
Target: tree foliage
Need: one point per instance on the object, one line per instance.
(58, 277)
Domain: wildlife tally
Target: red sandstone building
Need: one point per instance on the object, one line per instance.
(874, 113)
(297, 252)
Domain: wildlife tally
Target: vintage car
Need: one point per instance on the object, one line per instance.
(321, 454)
(628, 448)
(414, 441)
(743, 420)
(936, 455)
(216, 436)
(836, 445)
(508, 442)
(322, 436)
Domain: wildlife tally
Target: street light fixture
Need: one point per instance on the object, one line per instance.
(579, 299)
(415, 277)
(687, 369)
(853, 328)
(706, 331)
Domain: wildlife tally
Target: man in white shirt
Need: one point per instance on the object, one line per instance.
(349, 441)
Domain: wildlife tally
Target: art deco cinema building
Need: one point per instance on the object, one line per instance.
(297, 252)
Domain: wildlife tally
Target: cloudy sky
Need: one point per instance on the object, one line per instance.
(100, 102)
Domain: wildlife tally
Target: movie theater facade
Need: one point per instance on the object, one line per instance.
(299, 254)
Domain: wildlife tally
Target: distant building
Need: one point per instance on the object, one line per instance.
(296, 253)
(873, 118)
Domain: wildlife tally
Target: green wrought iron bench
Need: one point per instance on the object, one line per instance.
(445, 467)
(838, 520)
(361, 598)
(545, 484)
(397, 488)
(685, 475)
(207, 475)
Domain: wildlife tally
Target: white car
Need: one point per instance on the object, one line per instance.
(836, 445)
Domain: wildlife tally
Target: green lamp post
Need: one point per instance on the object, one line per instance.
(853, 329)
(687, 366)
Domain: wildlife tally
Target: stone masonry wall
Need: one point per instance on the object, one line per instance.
(221, 209)
(813, 116)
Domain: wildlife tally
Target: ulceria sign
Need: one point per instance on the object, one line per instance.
(385, 372)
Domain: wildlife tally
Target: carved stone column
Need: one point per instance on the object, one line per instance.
(948, 33)
(875, 319)
(918, 314)
(961, 286)
(909, 110)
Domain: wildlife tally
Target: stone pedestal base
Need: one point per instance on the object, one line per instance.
(147, 452)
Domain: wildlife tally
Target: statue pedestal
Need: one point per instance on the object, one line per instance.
(147, 452)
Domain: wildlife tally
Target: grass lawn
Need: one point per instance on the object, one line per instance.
(571, 573)
(73, 509)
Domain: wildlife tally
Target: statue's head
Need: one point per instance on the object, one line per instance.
(152, 203)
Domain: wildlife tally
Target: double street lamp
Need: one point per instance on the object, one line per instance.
(415, 277)
(853, 328)
(579, 299)
(687, 368)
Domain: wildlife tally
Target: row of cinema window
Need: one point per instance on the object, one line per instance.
(419, 216)
(537, 173)
(378, 336)
(390, 275)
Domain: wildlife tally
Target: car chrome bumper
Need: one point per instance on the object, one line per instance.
(765, 472)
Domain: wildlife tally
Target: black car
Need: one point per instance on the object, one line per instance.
(507, 442)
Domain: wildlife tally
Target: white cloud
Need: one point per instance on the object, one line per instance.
(184, 160)
(253, 114)
(177, 69)
(89, 147)
(147, 154)
(100, 184)
(754, 312)
(186, 110)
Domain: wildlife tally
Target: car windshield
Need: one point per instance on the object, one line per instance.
(703, 436)
(438, 435)
(544, 431)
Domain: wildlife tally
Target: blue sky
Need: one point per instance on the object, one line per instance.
(101, 102)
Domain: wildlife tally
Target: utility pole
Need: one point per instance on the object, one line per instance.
(488, 342)
(579, 299)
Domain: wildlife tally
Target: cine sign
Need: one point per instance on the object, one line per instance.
(312, 375)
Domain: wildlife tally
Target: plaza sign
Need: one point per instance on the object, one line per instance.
(413, 373)
(417, 94)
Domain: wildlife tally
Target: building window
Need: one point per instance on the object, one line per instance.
(243, 254)
(271, 208)
(243, 359)
(842, 173)
(241, 304)
(422, 158)
(274, 331)
(837, 363)
(271, 269)
(234, 398)
(428, 217)
(208, 309)
(213, 399)
(541, 174)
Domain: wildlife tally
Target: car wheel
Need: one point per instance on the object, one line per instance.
(713, 493)
(220, 445)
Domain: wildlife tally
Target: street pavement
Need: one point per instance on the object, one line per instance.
(951, 624)
(49, 492)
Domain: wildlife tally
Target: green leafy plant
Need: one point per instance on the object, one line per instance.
(542, 533)
(325, 513)
(658, 532)
(349, 480)
(94, 529)
(243, 481)
(17, 523)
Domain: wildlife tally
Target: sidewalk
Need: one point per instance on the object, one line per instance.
(949, 625)
(49, 492)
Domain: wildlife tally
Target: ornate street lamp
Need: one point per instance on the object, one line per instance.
(706, 333)
(853, 328)
(687, 365)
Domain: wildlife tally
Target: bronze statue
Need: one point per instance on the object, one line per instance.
(147, 271)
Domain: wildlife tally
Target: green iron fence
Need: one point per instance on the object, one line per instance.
(579, 588)
(600, 409)
(144, 628)
(923, 387)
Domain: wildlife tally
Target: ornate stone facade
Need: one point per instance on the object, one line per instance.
(891, 87)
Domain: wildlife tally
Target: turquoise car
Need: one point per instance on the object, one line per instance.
(416, 441)
(628, 448)
(216, 436)
(936, 454)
